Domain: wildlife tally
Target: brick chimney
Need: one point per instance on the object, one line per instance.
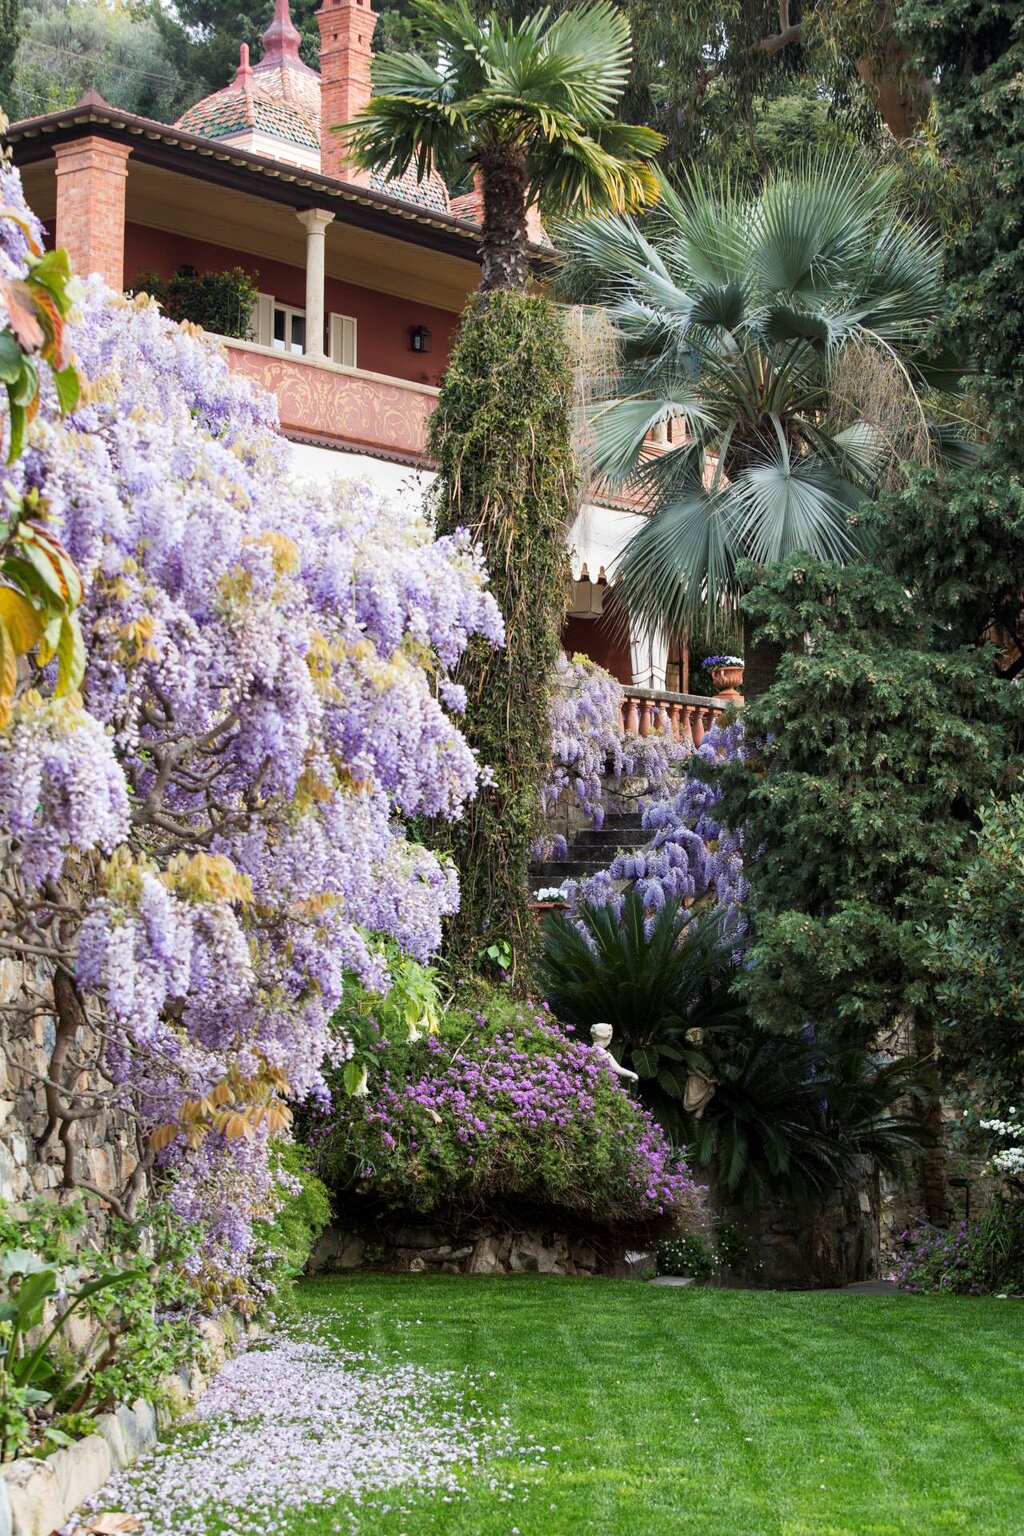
(346, 33)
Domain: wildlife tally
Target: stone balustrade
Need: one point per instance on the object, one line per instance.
(688, 716)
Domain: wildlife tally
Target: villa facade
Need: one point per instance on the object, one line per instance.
(361, 279)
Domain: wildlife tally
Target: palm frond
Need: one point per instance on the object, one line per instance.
(681, 560)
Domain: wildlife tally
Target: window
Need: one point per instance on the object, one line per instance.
(289, 329)
(283, 327)
(341, 340)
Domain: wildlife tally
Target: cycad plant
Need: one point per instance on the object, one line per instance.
(654, 979)
(530, 106)
(789, 1116)
(781, 336)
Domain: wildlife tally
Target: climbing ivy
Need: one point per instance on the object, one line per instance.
(501, 438)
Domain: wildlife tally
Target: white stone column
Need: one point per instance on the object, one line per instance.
(314, 221)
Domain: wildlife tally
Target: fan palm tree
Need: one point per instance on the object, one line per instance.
(529, 106)
(782, 335)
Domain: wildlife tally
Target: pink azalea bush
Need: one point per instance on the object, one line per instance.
(504, 1110)
(205, 841)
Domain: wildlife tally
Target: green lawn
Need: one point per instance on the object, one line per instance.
(716, 1413)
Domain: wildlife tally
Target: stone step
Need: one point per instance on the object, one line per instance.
(624, 820)
(611, 837)
(554, 871)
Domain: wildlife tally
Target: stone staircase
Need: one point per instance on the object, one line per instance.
(590, 851)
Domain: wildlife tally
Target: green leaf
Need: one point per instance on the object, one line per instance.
(11, 358)
(18, 419)
(69, 387)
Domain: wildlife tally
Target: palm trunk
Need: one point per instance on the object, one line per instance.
(760, 664)
(503, 258)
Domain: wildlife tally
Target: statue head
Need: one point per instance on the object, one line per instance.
(601, 1034)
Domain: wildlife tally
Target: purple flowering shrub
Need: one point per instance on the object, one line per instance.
(199, 845)
(973, 1258)
(690, 856)
(587, 740)
(502, 1111)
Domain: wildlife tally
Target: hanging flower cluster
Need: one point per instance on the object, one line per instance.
(587, 740)
(205, 837)
(690, 855)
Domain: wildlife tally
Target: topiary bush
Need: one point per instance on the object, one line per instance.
(501, 1110)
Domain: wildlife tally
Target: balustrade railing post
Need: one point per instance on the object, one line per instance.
(645, 717)
(632, 716)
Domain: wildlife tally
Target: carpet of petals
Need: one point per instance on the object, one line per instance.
(304, 1423)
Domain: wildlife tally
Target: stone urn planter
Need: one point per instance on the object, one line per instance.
(727, 676)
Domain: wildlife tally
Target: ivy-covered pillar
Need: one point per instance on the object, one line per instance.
(501, 438)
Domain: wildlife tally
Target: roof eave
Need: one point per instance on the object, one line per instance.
(32, 138)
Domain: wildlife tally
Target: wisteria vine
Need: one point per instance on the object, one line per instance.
(690, 855)
(587, 740)
(199, 845)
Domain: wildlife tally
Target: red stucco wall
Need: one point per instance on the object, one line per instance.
(600, 640)
(384, 320)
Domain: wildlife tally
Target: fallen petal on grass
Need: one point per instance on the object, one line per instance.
(304, 1423)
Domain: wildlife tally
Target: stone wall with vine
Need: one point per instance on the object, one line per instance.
(37, 1156)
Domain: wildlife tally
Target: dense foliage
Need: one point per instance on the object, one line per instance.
(203, 839)
(976, 949)
(133, 1301)
(976, 47)
(221, 302)
(875, 753)
(68, 47)
(501, 1111)
(501, 436)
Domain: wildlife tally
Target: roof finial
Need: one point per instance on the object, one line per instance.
(243, 74)
(281, 39)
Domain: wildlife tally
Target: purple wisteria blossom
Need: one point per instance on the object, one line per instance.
(690, 855)
(209, 838)
(587, 739)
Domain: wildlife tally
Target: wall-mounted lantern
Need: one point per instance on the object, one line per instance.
(420, 338)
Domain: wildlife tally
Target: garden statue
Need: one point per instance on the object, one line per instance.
(601, 1034)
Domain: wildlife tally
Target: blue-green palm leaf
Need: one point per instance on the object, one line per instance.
(732, 314)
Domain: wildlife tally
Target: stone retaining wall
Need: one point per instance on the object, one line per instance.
(104, 1146)
(38, 1495)
(486, 1249)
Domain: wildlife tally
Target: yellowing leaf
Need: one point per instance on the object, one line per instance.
(162, 1137)
(20, 619)
(70, 656)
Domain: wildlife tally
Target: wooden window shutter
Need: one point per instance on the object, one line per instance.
(341, 340)
(262, 321)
